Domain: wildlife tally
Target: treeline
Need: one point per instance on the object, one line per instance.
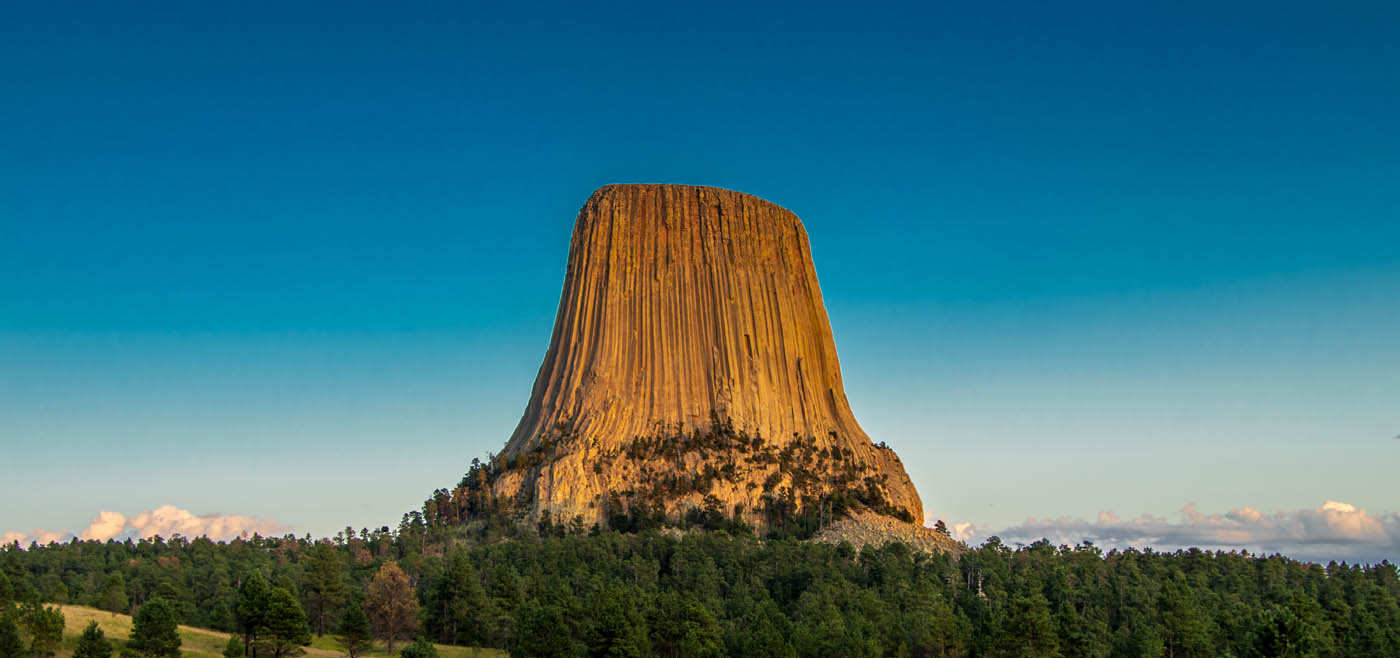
(563, 591)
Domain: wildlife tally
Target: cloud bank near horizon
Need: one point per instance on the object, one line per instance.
(164, 521)
(1333, 531)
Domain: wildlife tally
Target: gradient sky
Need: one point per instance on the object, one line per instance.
(301, 263)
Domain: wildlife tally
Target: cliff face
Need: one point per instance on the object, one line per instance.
(685, 307)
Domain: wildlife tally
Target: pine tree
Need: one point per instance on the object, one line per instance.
(251, 610)
(324, 587)
(284, 624)
(1185, 629)
(421, 648)
(682, 626)
(353, 630)
(179, 599)
(154, 631)
(1030, 631)
(1279, 632)
(112, 596)
(456, 602)
(11, 646)
(45, 626)
(541, 632)
(618, 629)
(93, 643)
(234, 648)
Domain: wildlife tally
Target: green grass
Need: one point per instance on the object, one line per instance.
(204, 643)
(327, 645)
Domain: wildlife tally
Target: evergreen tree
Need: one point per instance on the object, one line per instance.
(23, 591)
(11, 646)
(456, 603)
(683, 627)
(618, 629)
(354, 631)
(284, 624)
(1138, 638)
(234, 647)
(112, 596)
(541, 632)
(251, 610)
(179, 599)
(1279, 632)
(1030, 631)
(45, 626)
(930, 627)
(324, 587)
(505, 598)
(1185, 629)
(421, 648)
(766, 633)
(93, 643)
(154, 631)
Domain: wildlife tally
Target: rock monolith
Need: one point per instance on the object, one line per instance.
(692, 364)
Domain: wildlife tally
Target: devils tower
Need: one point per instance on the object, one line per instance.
(692, 363)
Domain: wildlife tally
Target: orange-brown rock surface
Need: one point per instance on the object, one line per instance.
(681, 306)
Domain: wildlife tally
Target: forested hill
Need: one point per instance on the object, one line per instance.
(713, 593)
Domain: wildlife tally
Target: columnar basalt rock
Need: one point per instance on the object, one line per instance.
(683, 307)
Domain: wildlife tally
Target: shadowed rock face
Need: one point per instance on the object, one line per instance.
(682, 305)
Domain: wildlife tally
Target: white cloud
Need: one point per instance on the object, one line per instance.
(106, 526)
(1332, 531)
(35, 536)
(165, 521)
(169, 520)
(12, 537)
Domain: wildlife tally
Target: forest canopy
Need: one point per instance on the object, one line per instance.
(556, 590)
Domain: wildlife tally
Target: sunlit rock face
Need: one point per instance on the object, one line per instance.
(681, 306)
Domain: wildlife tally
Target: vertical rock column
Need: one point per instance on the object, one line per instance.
(681, 304)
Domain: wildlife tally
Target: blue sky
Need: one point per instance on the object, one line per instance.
(302, 263)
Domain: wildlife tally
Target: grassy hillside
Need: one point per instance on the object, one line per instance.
(203, 643)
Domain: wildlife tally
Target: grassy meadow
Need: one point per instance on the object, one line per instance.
(203, 643)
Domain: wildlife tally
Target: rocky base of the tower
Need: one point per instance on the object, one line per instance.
(795, 486)
(865, 529)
